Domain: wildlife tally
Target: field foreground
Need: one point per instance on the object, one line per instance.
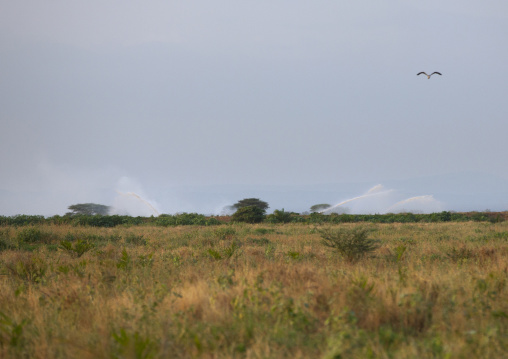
(431, 290)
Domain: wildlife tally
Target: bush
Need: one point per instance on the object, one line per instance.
(28, 268)
(259, 241)
(352, 244)
(136, 240)
(33, 235)
(281, 217)
(5, 240)
(184, 219)
(224, 233)
(249, 214)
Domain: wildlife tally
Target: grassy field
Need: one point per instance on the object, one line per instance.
(433, 290)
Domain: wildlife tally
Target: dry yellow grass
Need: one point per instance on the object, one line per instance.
(255, 291)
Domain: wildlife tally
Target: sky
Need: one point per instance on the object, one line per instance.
(173, 100)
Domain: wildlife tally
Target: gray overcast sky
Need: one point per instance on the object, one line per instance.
(139, 95)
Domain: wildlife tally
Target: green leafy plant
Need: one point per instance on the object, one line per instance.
(224, 233)
(11, 332)
(6, 244)
(77, 249)
(226, 280)
(263, 231)
(225, 253)
(133, 345)
(214, 254)
(460, 254)
(259, 241)
(29, 268)
(230, 250)
(125, 262)
(294, 254)
(351, 244)
(145, 260)
(136, 240)
(399, 252)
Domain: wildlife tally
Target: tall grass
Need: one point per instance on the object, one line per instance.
(429, 290)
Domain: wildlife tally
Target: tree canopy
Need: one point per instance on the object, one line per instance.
(251, 202)
(319, 207)
(88, 209)
(249, 214)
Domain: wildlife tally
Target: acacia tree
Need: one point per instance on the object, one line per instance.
(88, 209)
(251, 202)
(319, 207)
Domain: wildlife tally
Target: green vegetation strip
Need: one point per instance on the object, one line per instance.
(251, 215)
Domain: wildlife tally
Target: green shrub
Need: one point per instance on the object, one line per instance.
(125, 262)
(460, 254)
(259, 241)
(136, 240)
(280, 217)
(263, 231)
(224, 233)
(11, 331)
(352, 244)
(79, 248)
(251, 214)
(133, 345)
(28, 268)
(33, 235)
(5, 240)
(225, 253)
(5, 245)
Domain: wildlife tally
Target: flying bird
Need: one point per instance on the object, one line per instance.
(428, 76)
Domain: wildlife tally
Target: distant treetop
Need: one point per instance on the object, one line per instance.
(88, 209)
(251, 202)
(319, 207)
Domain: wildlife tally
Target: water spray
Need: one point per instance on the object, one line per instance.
(374, 191)
(425, 203)
(132, 194)
(426, 198)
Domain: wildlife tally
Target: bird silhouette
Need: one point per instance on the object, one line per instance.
(428, 76)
